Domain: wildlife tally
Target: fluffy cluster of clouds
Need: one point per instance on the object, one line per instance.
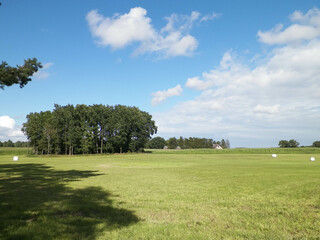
(278, 98)
(9, 130)
(304, 27)
(172, 40)
(160, 96)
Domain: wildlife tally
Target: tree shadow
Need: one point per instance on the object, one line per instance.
(35, 203)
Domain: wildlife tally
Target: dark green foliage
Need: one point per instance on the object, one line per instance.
(18, 144)
(288, 144)
(89, 129)
(8, 143)
(283, 144)
(223, 143)
(227, 144)
(157, 143)
(21, 144)
(194, 143)
(172, 143)
(293, 143)
(316, 144)
(18, 75)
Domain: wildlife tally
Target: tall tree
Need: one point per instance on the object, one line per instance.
(283, 144)
(223, 143)
(33, 129)
(227, 144)
(293, 143)
(82, 114)
(18, 75)
(157, 143)
(141, 127)
(172, 143)
(316, 144)
(101, 116)
(49, 131)
(64, 123)
(181, 142)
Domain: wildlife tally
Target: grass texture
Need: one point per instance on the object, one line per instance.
(162, 195)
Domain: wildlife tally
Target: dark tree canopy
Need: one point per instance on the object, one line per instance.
(89, 129)
(288, 144)
(172, 143)
(8, 143)
(157, 143)
(195, 142)
(316, 144)
(18, 75)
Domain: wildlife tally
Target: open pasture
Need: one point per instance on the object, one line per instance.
(160, 195)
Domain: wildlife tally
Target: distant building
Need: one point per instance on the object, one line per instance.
(165, 147)
(216, 146)
(179, 148)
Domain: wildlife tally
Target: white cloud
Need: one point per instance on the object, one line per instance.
(267, 109)
(227, 71)
(210, 17)
(304, 27)
(197, 84)
(176, 45)
(9, 130)
(278, 98)
(161, 96)
(43, 72)
(7, 122)
(120, 31)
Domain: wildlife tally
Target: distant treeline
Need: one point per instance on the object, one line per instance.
(186, 143)
(9, 143)
(294, 144)
(89, 129)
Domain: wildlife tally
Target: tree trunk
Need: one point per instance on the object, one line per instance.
(70, 150)
(48, 145)
(101, 140)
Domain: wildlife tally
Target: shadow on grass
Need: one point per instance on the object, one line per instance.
(35, 203)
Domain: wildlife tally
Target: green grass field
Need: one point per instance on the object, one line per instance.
(188, 194)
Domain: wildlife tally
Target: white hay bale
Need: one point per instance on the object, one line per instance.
(312, 159)
(15, 158)
(274, 155)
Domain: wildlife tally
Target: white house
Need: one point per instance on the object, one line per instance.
(216, 146)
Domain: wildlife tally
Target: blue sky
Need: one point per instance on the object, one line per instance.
(247, 71)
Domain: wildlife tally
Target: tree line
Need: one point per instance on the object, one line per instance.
(9, 143)
(294, 144)
(83, 129)
(186, 143)
(288, 144)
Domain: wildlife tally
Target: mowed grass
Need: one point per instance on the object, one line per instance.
(160, 196)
